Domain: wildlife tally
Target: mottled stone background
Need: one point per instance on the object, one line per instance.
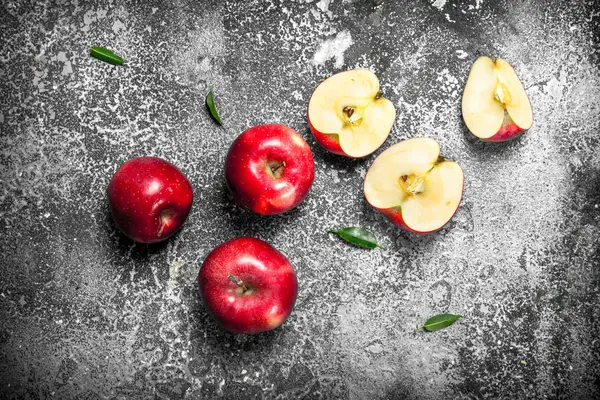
(87, 314)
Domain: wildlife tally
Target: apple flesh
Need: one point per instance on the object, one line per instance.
(269, 169)
(414, 186)
(247, 285)
(348, 115)
(149, 199)
(495, 106)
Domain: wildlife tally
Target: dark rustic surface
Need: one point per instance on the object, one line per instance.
(86, 314)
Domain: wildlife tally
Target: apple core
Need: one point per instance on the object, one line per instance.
(412, 184)
(502, 94)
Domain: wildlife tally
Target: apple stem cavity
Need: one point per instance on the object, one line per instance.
(275, 168)
(240, 283)
(164, 218)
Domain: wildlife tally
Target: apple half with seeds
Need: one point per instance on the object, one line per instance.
(414, 186)
(348, 115)
(495, 106)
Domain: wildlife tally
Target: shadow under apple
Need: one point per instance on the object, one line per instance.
(247, 223)
(224, 342)
(127, 248)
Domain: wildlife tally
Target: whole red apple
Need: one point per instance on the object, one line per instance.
(269, 169)
(149, 199)
(247, 285)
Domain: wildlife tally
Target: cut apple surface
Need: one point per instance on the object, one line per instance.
(495, 106)
(414, 186)
(348, 115)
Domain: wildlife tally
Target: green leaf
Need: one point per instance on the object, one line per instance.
(358, 236)
(440, 321)
(106, 55)
(210, 103)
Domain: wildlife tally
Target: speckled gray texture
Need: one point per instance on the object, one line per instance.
(87, 314)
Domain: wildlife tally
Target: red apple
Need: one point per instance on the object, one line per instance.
(348, 115)
(269, 169)
(414, 186)
(247, 285)
(495, 106)
(149, 199)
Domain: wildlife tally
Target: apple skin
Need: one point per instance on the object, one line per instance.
(395, 215)
(249, 177)
(327, 141)
(149, 199)
(508, 131)
(270, 279)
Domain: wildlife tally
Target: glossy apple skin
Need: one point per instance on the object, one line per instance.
(247, 175)
(268, 275)
(327, 141)
(395, 215)
(149, 199)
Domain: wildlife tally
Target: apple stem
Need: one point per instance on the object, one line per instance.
(275, 168)
(237, 281)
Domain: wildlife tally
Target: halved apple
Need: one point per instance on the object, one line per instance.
(414, 186)
(348, 115)
(495, 106)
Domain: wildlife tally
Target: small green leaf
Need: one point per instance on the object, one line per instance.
(106, 55)
(440, 321)
(358, 236)
(210, 103)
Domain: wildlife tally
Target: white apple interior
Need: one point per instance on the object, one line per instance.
(409, 176)
(492, 90)
(372, 117)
